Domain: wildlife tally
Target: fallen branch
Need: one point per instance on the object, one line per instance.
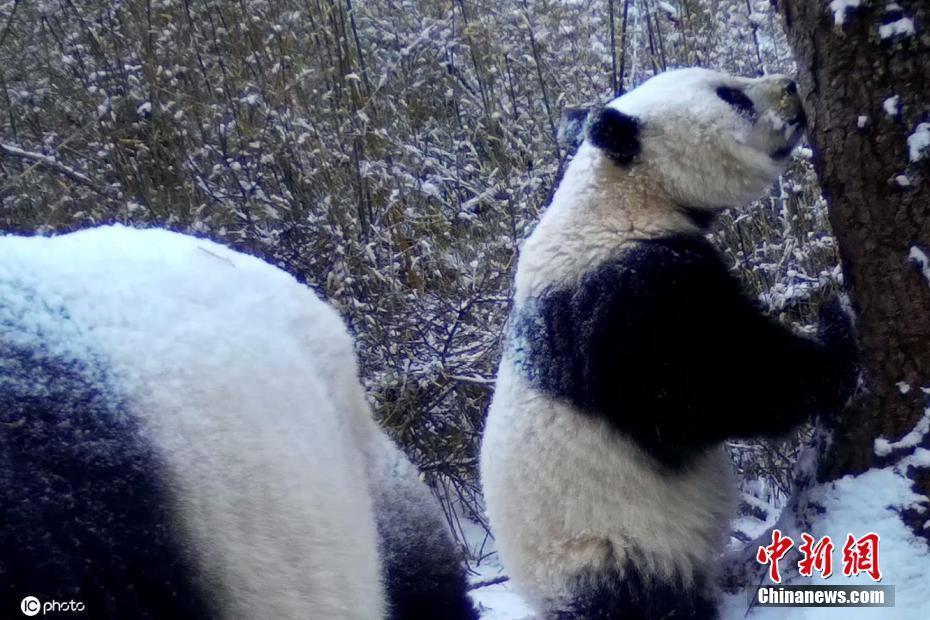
(50, 163)
(488, 582)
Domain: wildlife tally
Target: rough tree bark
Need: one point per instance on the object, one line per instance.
(879, 201)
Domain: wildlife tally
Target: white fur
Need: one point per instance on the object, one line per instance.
(696, 151)
(248, 384)
(565, 491)
(598, 208)
(701, 151)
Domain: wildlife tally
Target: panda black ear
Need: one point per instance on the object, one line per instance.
(616, 133)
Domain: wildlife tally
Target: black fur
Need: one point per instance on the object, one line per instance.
(610, 595)
(739, 100)
(782, 153)
(617, 134)
(83, 504)
(891, 15)
(662, 342)
(426, 588)
(423, 571)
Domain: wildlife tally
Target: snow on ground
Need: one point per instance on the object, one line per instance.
(883, 447)
(870, 502)
(498, 601)
(857, 504)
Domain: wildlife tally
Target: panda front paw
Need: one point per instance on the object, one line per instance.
(839, 337)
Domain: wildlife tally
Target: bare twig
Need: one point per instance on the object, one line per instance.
(9, 22)
(50, 163)
(613, 47)
(488, 582)
(542, 82)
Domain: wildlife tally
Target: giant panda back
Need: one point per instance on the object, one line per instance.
(220, 417)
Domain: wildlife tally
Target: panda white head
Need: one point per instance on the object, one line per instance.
(661, 160)
(709, 140)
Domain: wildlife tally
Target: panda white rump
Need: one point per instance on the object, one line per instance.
(263, 443)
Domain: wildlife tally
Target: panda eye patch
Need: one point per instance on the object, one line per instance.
(738, 99)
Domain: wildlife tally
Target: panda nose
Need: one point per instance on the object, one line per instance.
(791, 87)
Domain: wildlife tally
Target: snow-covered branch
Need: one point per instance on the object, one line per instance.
(50, 163)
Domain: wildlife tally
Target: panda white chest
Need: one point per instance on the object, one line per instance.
(567, 492)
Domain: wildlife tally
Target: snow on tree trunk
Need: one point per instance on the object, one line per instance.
(863, 74)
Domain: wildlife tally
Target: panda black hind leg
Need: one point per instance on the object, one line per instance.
(103, 538)
(632, 595)
(424, 576)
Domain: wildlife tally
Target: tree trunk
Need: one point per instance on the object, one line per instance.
(879, 201)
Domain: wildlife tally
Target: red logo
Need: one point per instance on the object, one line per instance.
(771, 554)
(817, 557)
(860, 555)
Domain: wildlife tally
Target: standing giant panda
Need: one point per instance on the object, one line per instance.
(631, 353)
(183, 435)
